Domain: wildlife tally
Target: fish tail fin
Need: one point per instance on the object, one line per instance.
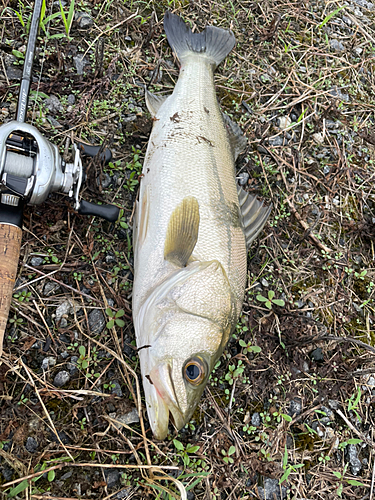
(212, 43)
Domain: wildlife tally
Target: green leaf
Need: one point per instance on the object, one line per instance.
(192, 449)
(285, 476)
(285, 457)
(271, 294)
(120, 323)
(18, 489)
(268, 304)
(279, 302)
(110, 324)
(70, 15)
(18, 54)
(120, 313)
(337, 474)
(287, 418)
(85, 364)
(82, 350)
(256, 348)
(353, 482)
(261, 298)
(329, 17)
(19, 18)
(354, 441)
(51, 475)
(339, 490)
(42, 13)
(242, 343)
(178, 445)
(231, 450)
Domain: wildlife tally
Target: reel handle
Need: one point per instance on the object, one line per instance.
(107, 212)
(10, 246)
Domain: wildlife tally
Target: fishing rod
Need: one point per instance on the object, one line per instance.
(30, 169)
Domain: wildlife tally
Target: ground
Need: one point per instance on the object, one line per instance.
(289, 411)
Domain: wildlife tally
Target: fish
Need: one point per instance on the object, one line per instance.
(191, 232)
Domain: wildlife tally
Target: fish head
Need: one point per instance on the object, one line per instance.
(188, 320)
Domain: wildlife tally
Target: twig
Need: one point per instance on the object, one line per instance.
(356, 431)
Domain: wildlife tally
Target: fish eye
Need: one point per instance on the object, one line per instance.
(195, 371)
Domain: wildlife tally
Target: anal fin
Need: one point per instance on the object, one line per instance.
(237, 140)
(154, 102)
(182, 232)
(254, 214)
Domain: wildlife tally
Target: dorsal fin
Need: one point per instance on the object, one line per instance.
(254, 214)
(154, 102)
(237, 140)
(182, 232)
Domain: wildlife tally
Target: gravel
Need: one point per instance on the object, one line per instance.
(48, 362)
(272, 490)
(255, 420)
(31, 445)
(243, 178)
(84, 21)
(53, 105)
(336, 45)
(97, 322)
(317, 355)
(131, 417)
(116, 389)
(36, 261)
(61, 378)
(295, 407)
(112, 477)
(352, 458)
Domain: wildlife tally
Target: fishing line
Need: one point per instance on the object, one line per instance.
(46, 31)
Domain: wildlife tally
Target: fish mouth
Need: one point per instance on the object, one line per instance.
(164, 402)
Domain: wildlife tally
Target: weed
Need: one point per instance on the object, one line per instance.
(67, 18)
(227, 455)
(269, 300)
(115, 318)
(183, 452)
(288, 468)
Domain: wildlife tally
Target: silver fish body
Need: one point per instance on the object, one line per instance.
(190, 238)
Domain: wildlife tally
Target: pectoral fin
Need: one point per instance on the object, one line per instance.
(254, 215)
(182, 232)
(154, 102)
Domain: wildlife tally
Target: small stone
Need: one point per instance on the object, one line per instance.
(116, 389)
(284, 122)
(326, 170)
(255, 420)
(110, 258)
(320, 431)
(336, 45)
(97, 322)
(106, 181)
(48, 363)
(84, 21)
(261, 149)
(63, 436)
(277, 141)
(53, 122)
(352, 457)
(317, 355)
(67, 307)
(7, 473)
(14, 73)
(129, 418)
(53, 104)
(64, 354)
(31, 445)
(123, 493)
(272, 490)
(50, 288)
(72, 366)
(243, 178)
(61, 378)
(264, 282)
(295, 407)
(71, 99)
(299, 304)
(66, 476)
(318, 137)
(36, 261)
(336, 92)
(80, 63)
(112, 477)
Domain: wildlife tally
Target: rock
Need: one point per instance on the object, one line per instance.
(255, 420)
(299, 304)
(97, 321)
(110, 258)
(50, 288)
(123, 493)
(48, 363)
(7, 473)
(336, 45)
(317, 355)
(272, 490)
(106, 181)
(53, 122)
(71, 99)
(61, 378)
(66, 476)
(112, 477)
(129, 418)
(84, 21)
(67, 307)
(326, 170)
(53, 105)
(64, 354)
(72, 366)
(352, 458)
(116, 389)
(80, 63)
(264, 282)
(284, 122)
(64, 438)
(277, 141)
(261, 149)
(336, 92)
(318, 137)
(36, 261)
(243, 178)
(295, 407)
(14, 73)
(31, 445)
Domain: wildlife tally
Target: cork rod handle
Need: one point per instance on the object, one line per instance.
(10, 245)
